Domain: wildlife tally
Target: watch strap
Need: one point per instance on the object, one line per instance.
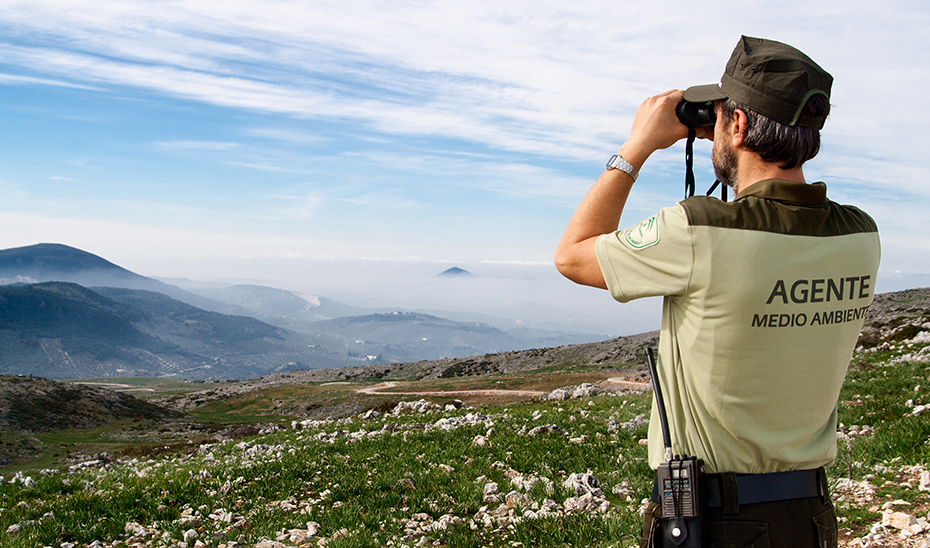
(617, 162)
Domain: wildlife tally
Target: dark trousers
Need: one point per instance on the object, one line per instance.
(797, 523)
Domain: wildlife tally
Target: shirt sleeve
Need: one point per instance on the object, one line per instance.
(652, 258)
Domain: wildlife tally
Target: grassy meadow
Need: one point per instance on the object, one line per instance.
(487, 475)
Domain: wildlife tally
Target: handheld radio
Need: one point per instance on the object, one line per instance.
(679, 482)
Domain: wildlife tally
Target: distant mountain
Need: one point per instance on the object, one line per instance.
(343, 341)
(62, 263)
(42, 262)
(455, 272)
(63, 330)
(410, 336)
(392, 337)
(280, 307)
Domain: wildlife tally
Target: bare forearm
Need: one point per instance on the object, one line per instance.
(655, 126)
(600, 210)
(598, 213)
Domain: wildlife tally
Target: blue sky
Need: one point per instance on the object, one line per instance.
(355, 149)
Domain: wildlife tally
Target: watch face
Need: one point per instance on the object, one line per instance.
(617, 162)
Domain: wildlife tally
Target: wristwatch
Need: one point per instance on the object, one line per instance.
(616, 162)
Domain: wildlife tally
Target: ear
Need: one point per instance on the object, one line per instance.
(737, 129)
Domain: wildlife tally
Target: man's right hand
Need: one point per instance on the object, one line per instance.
(655, 127)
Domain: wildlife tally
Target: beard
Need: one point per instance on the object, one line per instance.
(725, 164)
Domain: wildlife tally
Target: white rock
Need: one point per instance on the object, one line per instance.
(585, 483)
(447, 521)
(515, 499)
(898, 520)
(135, 529)
(893, 503)
(480, 441)
(924, 481)
(585, 390)
(545, 429)
(268, 543)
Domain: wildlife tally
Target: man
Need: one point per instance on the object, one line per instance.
(764, 297)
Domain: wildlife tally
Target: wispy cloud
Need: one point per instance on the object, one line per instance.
(198, 145)
(484, 98)
(288, 135)
(300, 208)
(14, 79)
(385, 199)
(263, 167)
(523, 76)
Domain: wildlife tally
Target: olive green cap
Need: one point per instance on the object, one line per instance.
(771, 78)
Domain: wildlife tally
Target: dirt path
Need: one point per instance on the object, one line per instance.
(624, 384)
(476, 392)
(116, 387)
(616, 383)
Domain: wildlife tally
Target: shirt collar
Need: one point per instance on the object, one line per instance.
(787, 191)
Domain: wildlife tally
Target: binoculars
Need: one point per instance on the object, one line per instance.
(696, 114)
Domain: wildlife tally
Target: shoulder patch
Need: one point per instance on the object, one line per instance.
(642, 235)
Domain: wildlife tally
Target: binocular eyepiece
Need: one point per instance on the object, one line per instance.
(696, 114)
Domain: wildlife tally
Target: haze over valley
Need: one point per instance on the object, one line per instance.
(66, 313)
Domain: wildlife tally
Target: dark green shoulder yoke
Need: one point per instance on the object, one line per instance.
(780, 207)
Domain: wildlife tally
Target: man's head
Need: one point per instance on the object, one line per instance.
(784, 94)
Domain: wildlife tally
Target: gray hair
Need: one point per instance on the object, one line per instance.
(789, 146)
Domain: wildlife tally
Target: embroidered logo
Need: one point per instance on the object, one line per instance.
(643, 235)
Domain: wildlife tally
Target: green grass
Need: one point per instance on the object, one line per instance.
(369, 486)
(363, 492)
(883, 391)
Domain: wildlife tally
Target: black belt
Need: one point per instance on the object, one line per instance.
(756, 488)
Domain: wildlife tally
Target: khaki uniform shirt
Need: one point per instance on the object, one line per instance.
(764, 301)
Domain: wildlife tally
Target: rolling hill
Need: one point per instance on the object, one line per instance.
(34, 404)
(410, 336)
(62, 263)
(63, 330)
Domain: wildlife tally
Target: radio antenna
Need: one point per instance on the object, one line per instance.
(663, 418)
